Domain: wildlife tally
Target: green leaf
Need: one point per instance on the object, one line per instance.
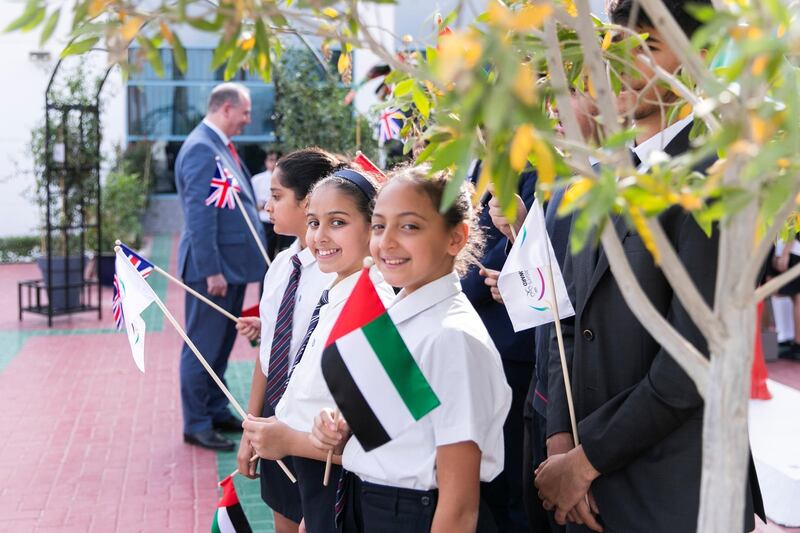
(179, 53)
(49, 27)
(426, 152)
(205, 25)
(234, 63)
(37, 19)
(31, 12)
(449, 154)
(153, 55)
(222, 52)
(620, 139)
(404, 87)
(421, 101)
(79, 47)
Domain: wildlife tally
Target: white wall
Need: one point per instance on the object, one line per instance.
(22, 108)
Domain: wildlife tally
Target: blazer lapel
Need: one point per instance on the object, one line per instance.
(678, 145)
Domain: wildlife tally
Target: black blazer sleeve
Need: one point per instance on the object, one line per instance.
(636, 419)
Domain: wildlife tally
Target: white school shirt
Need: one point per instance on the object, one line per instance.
(307, 393)
(309, 288)
(458, 358)
(658, 142)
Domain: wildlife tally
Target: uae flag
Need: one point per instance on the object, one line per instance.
(372, 376)
(229, 517)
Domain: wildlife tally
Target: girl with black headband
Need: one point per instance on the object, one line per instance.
(338, 234)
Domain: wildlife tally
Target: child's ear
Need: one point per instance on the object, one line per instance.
(459, 236)
(304, 203)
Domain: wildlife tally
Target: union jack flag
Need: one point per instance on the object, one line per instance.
(144, 267)
(389, 125)
(116, 305)
(222, 184)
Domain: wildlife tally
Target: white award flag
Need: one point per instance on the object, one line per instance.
(524, 281)
(136, 295)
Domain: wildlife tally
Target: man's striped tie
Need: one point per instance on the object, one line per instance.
(323, 300)
(282, 339)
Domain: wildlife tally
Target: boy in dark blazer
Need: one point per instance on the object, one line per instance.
(639, 414)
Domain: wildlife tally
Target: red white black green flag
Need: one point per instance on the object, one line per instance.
(229, 517)
(372, 376)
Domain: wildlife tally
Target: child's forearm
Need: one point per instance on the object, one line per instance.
(258, 387)
(454, 518)
(299, 445)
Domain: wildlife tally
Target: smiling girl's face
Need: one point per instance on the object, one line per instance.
(411, 241)
(337, 232)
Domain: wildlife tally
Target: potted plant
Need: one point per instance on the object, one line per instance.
(123, 199)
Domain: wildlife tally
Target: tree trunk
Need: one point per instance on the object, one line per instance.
(726, 447)
(725, 437)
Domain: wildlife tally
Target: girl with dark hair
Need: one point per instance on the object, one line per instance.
(292, 287)
(428, 477)
(338, 233)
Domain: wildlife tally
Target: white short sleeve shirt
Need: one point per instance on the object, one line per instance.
(310, 287)
(458, 358)
(307, 393)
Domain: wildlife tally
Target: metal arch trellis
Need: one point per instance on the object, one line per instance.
(71, 196)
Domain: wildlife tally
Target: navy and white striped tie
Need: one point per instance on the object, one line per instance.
(282, 339)
(323, 300)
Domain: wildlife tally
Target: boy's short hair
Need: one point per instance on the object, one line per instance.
(621, 11)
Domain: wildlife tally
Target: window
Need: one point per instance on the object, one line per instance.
(162, 111)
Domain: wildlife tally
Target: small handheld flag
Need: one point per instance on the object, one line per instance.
(220, 194)
(389, 125)
(230, 517)
(143, 266)
(135, 295)
(369, 167)
(522, 282)
(370, 372)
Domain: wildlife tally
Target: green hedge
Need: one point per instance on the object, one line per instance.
(19, 249)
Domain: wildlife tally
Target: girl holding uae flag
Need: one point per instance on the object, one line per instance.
(338, 216)
(426, 476)
(292, 287)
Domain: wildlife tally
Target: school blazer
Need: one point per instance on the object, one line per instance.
(639, 414)
(213, 240)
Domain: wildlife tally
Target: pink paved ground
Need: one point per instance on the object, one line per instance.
(89, 443)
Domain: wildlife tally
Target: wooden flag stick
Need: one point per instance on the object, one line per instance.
(326, 478)
(513, 233)
(253, 460)
(250, 225)
(208, 368)
(564, 369)
(190, 290)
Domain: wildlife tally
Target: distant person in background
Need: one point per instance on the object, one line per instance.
(217, 257)
(275, 243)
(787, 256)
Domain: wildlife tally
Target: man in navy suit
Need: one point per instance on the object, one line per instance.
(217, 257)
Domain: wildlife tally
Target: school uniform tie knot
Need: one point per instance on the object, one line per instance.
(278, 371)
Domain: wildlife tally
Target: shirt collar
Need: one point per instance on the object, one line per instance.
(659, 141)
(306, 257)
(224, 138)
(339, 292)
(406, 306)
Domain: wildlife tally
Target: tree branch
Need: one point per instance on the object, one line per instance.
(683, 285)
(593, 60)
(684, 353)
(756, 261)
(775, 283)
